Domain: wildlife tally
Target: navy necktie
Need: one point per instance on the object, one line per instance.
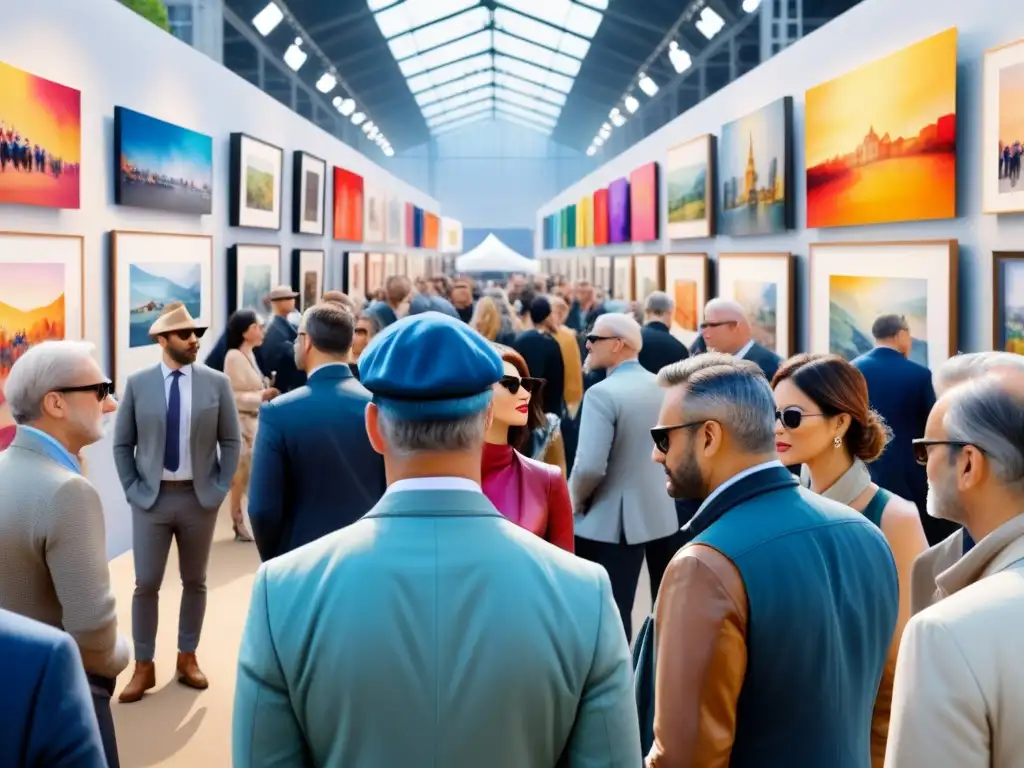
(172, 443)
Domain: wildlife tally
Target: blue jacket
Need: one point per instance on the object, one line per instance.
(313, 469)
(278, 355)
(46, 715)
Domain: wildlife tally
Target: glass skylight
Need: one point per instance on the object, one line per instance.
(516, 62)
(455, 124)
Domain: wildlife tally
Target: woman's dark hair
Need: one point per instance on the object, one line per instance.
(518, 437)
(837, 387)
(240, 322)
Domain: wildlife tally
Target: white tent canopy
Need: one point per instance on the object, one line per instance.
(492, 255)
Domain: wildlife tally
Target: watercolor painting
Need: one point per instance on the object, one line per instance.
(1008, 328)
(40, 140)
(686, 282)
(259, 184)
(760, 301)
(256, 286)
(684, 293)
(689, 183)
(256, 169)
(152, 286)
(856, 301)
(754, 185)
(1011, 126)
(881, 140)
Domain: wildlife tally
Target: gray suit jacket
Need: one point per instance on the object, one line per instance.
(141, 428)
(615, 486)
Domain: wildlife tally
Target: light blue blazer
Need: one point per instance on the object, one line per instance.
(433, 632)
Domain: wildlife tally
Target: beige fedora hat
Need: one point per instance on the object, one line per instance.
(175, 317)
(282, 292)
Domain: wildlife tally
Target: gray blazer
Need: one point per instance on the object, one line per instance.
(141, 427)
(615, 486)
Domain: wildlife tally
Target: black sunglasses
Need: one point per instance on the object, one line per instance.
(187, 334)
(594, 338)
(512, 384)
(793, 417)
(705, 326)
(922, 444)
(660, 435)
(103, 390)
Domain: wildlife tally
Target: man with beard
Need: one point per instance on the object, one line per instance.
(173, 420)
(782, 594)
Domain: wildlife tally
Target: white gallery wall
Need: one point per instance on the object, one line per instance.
(116, 58)
(867, 32)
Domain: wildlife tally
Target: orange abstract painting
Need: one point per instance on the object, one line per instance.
(348, 206)
(881, 140)
(431, 231)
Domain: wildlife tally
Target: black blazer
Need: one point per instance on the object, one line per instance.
(543, 357)
(660, 347)
(279, 355)
(765, 359)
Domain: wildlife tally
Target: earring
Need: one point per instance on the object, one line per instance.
(837, 442)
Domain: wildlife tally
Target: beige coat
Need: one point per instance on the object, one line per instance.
(927, 567)
(959, 690)
(248, 383)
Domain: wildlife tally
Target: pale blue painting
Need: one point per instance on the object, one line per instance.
(154, 286)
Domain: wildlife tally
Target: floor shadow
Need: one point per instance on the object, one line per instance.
(234, 559)
(152, 731)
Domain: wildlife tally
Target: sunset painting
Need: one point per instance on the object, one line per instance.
(856, 301)
(40, 140)
(881, 140)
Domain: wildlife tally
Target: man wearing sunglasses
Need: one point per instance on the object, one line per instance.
(176, 448)
(54, 564)
(727, 329)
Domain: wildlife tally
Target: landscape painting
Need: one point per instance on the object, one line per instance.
(256, 170)
(856, 301)
(348, 206)
(763, 284)
(755, 172)
(686, 281)
(1003, 128)
(644, 210)
(690, 189)
(257, 282)
(160, 165)
(760, 302)
(309, 191)
(253, 271)
(1008, 325)
(881, 140)
(153, 287)
(40, 140)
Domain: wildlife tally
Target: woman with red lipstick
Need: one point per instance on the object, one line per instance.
(824, 422)
(530, 493)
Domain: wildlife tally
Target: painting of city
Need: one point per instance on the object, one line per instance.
(686, 282)
(1008, 328)
(40, 140)
(689, 182)
(881, 140)
(154, 286)
(754, 181)
(856, 301)
(256, 171)
(1003, 128)
(160, 165)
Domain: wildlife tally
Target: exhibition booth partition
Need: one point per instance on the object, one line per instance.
(873, 167)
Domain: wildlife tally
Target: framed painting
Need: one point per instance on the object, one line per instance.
(309, 193)
(622, 278)
(348, 206)
(355, 275)
(148, 271)
(396, 222)
(253, 272)
(762, 283)
(618, 211)
(402, 264)
(375, 228)
(410, 225)
(48, 117)
(41, 299)
(690, 182)
(644, 210)
(755, 163)
(1008, 304)
(601, 217)
(415, 266)
(308, 276)
(160, 165)
(646, 276)
(255, 181)
(390, 265)
(686, 281)
(374, 272)
(880, 141)
(1003, 129)
(603, 274)
(585, 268)
(852, 284)
(451, 235)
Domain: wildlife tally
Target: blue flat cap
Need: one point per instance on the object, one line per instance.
(430, 367)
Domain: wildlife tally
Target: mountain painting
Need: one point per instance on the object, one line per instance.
(856, 301)
(152, 287)
(760, 300)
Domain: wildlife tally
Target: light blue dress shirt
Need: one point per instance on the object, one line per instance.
(184, 471)
(55, 449)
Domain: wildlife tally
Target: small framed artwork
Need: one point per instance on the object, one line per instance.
(396, 221)
(686, 281)
(646, 276)
(308, 276)
(374, 272)
(253, 272)
(309, 193)
(355, 275)
(41, 299)
(689, 174)
(1008, 305)
(390, 265)
(852, 284)
(255, 176)
(148, 271)
(603, 274)
(402, 264)
(762, 283)
(585, 268)
(1003, 129)
(622, 278)
(416, 266)
(376, 207)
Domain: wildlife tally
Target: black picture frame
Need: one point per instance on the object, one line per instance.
(235, 209)
(299, 158)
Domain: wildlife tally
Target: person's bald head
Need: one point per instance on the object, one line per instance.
(659, 308)
(615, 339)
(725, 327)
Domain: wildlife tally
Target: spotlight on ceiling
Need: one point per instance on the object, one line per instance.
(266, 21)
(358, 118)
(632, 105)
(295, 57)
(347, 107)
(647, 85)
(326, 83)
(679, 58)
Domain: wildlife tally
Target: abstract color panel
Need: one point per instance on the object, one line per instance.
(881, 140)
(570, 224)
(601, 217)
(431, 231)
(348, 206)
(618, 211)
(643, 203)
(410, 225)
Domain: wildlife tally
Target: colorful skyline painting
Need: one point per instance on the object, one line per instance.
(881, 140)
(856, 301)
(40, 140)
(1011, 126)
(760, 301)
(152, 286)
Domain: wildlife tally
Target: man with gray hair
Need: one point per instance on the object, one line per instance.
(958, 696)
(726, 328)
(54, 564)
(433, 631)
(782, 595)
(660, 348)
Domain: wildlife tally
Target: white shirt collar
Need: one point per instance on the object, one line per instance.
(744, 350)
(186, 370)
(733, 480)
(433, 484)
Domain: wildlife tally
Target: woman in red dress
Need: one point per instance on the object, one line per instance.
(530, 493)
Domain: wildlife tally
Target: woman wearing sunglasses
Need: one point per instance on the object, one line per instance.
(531, 493)
(824, 422)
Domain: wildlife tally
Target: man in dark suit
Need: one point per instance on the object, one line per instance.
(726, 328)
(541, 352)
(313, 469)
(901, 392)
(278, 351)
(47, 717)
(660, 348)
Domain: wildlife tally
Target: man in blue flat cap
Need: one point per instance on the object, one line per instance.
(433, 631)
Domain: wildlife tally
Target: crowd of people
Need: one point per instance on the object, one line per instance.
(454, 487)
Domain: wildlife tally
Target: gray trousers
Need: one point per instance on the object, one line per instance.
(176, 514)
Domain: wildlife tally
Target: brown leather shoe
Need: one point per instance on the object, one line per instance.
(189, 672)
(143, 679)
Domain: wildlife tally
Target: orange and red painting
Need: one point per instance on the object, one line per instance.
(348, 206)
(40, 140)
(881, 140)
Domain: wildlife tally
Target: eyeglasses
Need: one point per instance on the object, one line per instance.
(660, 435)
(360, 332)
(593, 338)
(922, 444)
(187, 333)
(705, 326)
(512, 384)
(103, 390)
(793, 417)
